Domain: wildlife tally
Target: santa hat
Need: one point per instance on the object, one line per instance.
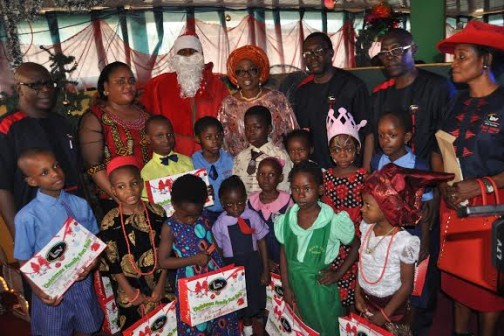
(476, 32)
(121, 161)
(189, 40)
(398, 191)
(343, 123)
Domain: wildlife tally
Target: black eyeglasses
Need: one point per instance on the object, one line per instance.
(314, 53)
(37, 86)
(396, 52)
(251, 72)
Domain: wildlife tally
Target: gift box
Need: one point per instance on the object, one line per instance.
(211, 295)
(106, 299)
(159, 190)
(161, 321)
(282, 321)
(273, 290)
(355, 325)
(56, 267)
(420, 274)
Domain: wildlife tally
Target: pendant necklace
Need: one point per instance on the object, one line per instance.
(370, 250)
(253, 98)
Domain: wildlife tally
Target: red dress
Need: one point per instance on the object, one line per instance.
(344, 194)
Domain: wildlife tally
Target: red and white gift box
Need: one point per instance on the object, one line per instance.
(273, 290)
(56, 267)
(159, 190)
(161, 321)
(211, 295)
(420, 275)
(355, 325)
(283, 322)
(106, 299)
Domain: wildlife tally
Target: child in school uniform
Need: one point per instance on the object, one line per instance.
(240, 234)
(310, 234)
(187, 233)
(77, 311)
(257, 130)
(165, 161)
(392, 199)
(132, 233)
(269, 203)
(218, 163)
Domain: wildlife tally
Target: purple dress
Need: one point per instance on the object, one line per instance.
(188, 241)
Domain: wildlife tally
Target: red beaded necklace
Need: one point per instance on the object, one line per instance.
(365, 243)
(151, 234)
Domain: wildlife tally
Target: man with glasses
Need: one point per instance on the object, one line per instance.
(190, 92)
(33, 125)
(422, 93)
(424, 96)
(326, 86)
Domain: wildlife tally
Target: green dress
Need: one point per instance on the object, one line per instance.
(308, 252)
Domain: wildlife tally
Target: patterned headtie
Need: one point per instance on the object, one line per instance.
(166, 159)
(213, 173)
(244, 228)
(252, 165)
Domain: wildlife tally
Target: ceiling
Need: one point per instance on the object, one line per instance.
(453, 7)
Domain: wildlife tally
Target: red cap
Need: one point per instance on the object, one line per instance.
(476, 32)
(121, 161)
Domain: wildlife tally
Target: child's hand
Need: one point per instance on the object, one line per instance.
(378, 319)
(273, 266)
(265, 278)
(50, 301)
(140, 298)
(86, 270)
(360, 304)
(329, 277)
(201, 259)
(288, 296)
(210, 191)
(157, 294)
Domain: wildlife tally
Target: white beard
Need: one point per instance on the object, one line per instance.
(189, 71)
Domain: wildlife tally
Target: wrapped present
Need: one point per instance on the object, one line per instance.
(274, 290)
(161, 321)
(420, 274)
(159, 190)
(106, 299)
(355, 325)
(208, 296)
(56, 267)
(283, 322)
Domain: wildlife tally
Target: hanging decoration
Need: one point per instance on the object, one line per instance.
(377, 22)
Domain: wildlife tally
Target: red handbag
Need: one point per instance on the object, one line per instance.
(465, 242)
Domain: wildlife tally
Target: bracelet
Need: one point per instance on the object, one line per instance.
(135, 298)
(488, 185)
(385, 316)
(95, 169)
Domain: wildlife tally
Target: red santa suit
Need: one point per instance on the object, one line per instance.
(162, 96)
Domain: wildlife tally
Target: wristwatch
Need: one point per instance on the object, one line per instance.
(488, 185)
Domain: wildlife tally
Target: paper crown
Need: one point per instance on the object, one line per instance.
(476, 32)
(342, 124)
(188, 40)
(121, 161)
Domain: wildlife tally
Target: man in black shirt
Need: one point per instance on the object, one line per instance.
(326, 85)
(33, 125)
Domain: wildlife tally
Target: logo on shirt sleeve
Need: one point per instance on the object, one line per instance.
(491, 124)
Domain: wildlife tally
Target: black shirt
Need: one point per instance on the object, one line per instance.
(312, 105)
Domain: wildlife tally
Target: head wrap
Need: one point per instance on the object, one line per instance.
(121, 161)
(398, 192)
(187, 41)
(252, 53)
(342, 124)
(476, 32)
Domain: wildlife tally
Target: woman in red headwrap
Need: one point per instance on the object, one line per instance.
(248, 69)
(476, 120)
(392, 198)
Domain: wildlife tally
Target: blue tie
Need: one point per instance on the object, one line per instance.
(213, 173)
(166, 160)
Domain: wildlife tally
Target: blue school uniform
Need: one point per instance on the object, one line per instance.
(223, 169)
(36, 224)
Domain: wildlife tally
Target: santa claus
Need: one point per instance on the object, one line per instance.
(190, 92)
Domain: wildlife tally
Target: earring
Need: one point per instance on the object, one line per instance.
(105, 93)
(237, 87)
(260, 84)
(485, 67)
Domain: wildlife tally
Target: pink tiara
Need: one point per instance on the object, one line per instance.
(342, 124)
